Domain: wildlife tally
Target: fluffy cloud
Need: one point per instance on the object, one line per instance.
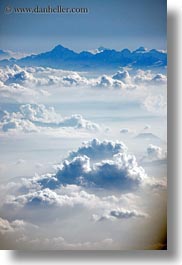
(18, 125)
(96, 149)
(109, 190)
(34, 117)
(126, 131)
(20, 77)
(117, 81)
(119, 214)
(121, 172)
(10, 227)
(69, 196)
(39, 113)
(123, 76)
(149, 78)
(78, 122)
(36, 77)
(155, 104)
(65, 187)
(155, 152)
(147, 127)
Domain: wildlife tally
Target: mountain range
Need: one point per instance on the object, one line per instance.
(61, 57)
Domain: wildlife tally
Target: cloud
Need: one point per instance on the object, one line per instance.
(155, 152)
(20, 77)
(159, 78)
(18, 125)
(149, 78)
(39, 83)
(117, 81)
(66, 186)
(18, 93)
(10, 227)
(70, 196)
(147, 127)
(96, 149)
(37, 117)
(155, 104)
(60, 243)
(122, 76)
(39, 113)
(126, 131)
(78, 122)
(40, 76)
(119, 214)
(155, 155)
(121, 172)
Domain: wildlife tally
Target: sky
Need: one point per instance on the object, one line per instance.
(114, 24)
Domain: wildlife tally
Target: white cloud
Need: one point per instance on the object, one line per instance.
(37, 117)
(11, 227)
(96, 149)
(155, 155)
(37, 83)
(159, 78)
(121, 172)
(155, 152)
(126, 131)
(78, 122)
(155, 104)
(119, 214)
(149, 78)
(122, 76)
(59, 243)
(147, 127)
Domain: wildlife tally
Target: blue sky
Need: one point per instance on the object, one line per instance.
(113, 24)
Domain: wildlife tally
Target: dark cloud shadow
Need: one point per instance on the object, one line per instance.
(173, 252)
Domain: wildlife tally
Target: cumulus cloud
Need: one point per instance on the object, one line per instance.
(78, 122)
(149, 78)
(36, 117)
(155, 104)
(117, 81)
(10, 227)
(123, 76)
(69, 196)
(109, 189)
(147, 127)
(120, 172)
(18, 93)
(96, 149)
(119, 214)
(40, 82)
(39, 113)
(65, 187)
(39, 76)
(20, 77)
(155, 154)
(126, 131)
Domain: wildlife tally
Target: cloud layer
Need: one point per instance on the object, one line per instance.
(37, 117)
(19, 84)
(100, 183)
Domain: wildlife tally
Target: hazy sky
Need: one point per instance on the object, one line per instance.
(110, 23)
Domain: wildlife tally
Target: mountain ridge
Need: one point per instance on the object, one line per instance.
(62, 57)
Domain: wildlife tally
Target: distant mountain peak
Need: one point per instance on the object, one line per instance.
(59, 48)
(141, 49)
(62, 57)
